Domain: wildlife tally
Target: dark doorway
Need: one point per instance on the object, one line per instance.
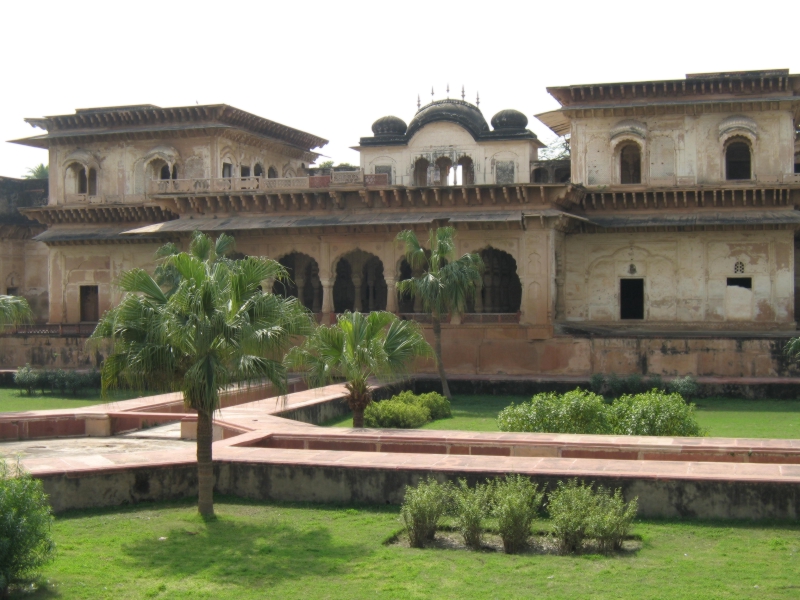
(631, 298)
(90, 307)
(737, 161)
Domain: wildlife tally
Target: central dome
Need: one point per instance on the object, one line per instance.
(460, 112)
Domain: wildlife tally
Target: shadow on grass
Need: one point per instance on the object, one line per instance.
(718, 404)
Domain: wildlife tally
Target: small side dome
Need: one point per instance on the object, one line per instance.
(509, 119)
(389, 126)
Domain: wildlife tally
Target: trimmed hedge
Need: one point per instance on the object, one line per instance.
(58, 381)
(583, 412)
(407, 410)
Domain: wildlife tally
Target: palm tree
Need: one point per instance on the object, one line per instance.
(445, 285)
(359, 347)
(40, 171)
(211, 328)
(14, 310)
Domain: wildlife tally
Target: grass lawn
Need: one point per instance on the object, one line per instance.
(262, 550)
(11, 399)
(723, 417)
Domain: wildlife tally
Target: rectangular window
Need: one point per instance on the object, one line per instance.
(12, 291)
(90, 304)
(245, 171)
(387, 169)
(227, 170)
(631, 298)
(504, 172)
(742, 282)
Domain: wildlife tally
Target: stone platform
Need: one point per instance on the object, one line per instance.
(270, 449)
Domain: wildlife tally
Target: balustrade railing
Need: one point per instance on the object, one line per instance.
(53, 329)
(255, 184)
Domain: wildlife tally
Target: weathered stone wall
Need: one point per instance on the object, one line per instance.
(685, 276)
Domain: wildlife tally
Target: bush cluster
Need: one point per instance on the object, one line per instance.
(59, 381)
(583, 412)
(616, 386)
(578, 512)
(25, 520)
(407, 410)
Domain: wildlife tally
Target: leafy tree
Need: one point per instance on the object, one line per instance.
(14, 310)
(325, 164)
(40, 171)
(212, 327)
(445, 285)
(558, 150)
(359, 347)
(25, 520)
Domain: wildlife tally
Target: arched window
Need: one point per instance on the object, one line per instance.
(227, 170)
(92, 182)
(258, 170)
(82, 182)
(465, 171)
(421, 172)
(442, 171)
(272, 173)
(563, 175)
(244, 171)
(541, 175)
(165, 174)
(737, 160)
(630, 164)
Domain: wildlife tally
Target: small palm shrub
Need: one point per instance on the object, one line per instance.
(438, 405)
(25, 520)
(395, 414)
(577, 411)
(655, 413)
(423, 507)
(515, 504)
(685, 386)
(571, 506)
(470, 507)
(611, 519)
(27, 379)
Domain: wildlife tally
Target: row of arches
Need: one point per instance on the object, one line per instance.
(443, 172)
(360, 284)
(245, 171)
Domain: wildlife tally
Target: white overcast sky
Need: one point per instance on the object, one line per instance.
(332, 68)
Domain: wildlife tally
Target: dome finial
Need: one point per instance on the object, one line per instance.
(431, 93)
(478, 99)
(462, 92)
(418, 102)
(448, 91)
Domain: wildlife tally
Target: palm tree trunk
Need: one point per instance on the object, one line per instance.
(205, 464)
(437, 336)
(358, 418)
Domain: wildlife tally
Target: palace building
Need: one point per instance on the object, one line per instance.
(664, 244)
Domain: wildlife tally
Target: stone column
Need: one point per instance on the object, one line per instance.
(315, 302)
(327, 301)
(391, 295)
(300, 282)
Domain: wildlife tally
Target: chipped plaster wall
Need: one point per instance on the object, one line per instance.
(685, 276)
(681, 150)
(448, 139)
(23, 265)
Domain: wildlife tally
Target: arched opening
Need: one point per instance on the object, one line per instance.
(244, 171)
(227, 170)
(360, 285)
(421, 168)
(76, 181)
(797, 163)
(272, 173)
(563, 175)
(405, 302)
(91, 183)
(258, 170)
(441, 174)
(630, 164)
(502, 290)
(303, 283)
(165, 172)
(540, 175)
(464, 172)
(738, 160)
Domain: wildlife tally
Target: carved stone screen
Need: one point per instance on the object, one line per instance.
(504, 172)
(384, 169)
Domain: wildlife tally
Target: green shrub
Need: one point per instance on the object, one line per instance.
(616, 385)
(395, 413)
(633, 383)
(57, 381)
(470, 507)
(25, 520)
(571, 507)
(611, 519)
(27, 379)
(598, 383)
(515, 504)
(422, 509)
(654, 382)
(577, 411)
(654, 413)
(685, 386)
(437, 405)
